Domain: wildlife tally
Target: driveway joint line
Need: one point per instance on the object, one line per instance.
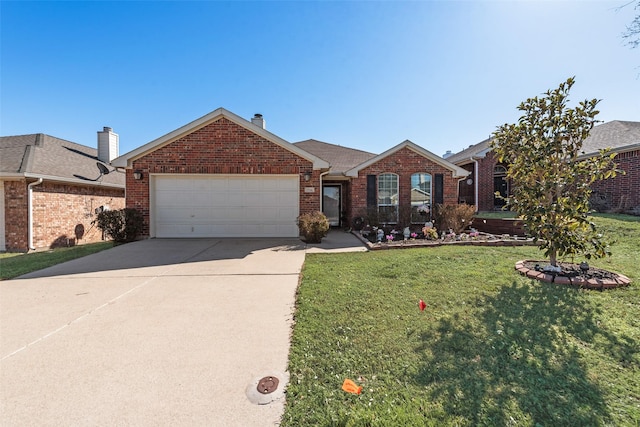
(93, 310)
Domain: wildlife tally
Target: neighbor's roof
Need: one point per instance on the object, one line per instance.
(464, 156)
(126, 159)
(617, 134)
(43, 156)
(340, 158)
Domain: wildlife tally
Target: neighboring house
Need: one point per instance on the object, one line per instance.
(224, 176)
(50, 189)
(621, 193)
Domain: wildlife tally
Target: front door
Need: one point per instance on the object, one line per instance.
(331, 204)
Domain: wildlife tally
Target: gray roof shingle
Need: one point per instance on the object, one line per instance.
(617, 135)
(47, 156)
(340, 158)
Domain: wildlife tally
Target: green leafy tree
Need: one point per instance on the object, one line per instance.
(551, 180)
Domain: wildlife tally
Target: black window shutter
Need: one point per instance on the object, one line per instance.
(438, 197)
(372, 191)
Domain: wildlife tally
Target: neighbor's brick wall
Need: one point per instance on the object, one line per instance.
(62, 214)
(486, 196)
(16, 216)
(623, 191)
(404, 163)
(221, 147)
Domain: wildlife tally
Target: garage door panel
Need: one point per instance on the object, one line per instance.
(226, 206)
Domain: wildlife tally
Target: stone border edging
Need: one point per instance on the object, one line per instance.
(581, 282)
(434, 243)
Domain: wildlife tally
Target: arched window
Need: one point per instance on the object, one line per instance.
(420, 197)
(500, 185)
(388, 198)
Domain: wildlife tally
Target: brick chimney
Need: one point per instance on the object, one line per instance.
(108, 145)
(258, 120)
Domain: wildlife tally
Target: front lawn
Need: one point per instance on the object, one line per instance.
(16, 264)
(491, 348)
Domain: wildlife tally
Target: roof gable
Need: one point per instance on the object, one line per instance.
(45, 156)
(126, 159)
(457, 172)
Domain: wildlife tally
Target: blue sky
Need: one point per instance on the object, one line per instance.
(366, 75)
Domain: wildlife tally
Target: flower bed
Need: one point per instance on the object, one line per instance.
(573, 275)
(472, 238)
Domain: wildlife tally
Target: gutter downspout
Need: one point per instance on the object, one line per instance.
(30, 210)
(475, 183)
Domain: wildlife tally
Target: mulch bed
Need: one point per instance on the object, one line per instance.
(571, 274)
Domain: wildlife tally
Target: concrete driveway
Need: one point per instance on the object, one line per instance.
(156, 332)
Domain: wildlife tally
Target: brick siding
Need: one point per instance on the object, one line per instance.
(16, 216)
(221, 147)
(404, 162)
(62, 214)
(623, 191)
(486, 191)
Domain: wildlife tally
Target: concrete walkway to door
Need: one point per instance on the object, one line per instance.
(156, 332)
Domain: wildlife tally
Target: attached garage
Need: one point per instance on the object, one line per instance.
(225, 205)
(221, 176)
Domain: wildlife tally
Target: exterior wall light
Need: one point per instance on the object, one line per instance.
(137, 174)
(307, 176)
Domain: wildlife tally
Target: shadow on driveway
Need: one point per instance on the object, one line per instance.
(137, 258)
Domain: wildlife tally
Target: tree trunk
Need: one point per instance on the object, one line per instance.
(553, 257)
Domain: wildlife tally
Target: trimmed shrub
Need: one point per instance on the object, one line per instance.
(123, 225)
(313, 226)
(454, 217)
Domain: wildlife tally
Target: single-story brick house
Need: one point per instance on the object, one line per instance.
(224, 176)
(50, 189)
(622, 193)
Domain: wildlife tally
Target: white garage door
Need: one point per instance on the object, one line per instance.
(225, 206)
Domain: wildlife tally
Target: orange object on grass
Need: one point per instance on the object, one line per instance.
(351, 387)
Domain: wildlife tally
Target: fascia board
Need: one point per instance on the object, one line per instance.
(618, 150)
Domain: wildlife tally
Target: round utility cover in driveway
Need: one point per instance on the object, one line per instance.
(267, 388)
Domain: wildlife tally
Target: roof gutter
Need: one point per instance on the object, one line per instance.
(30, 210)
(617, 150)
(72, 180)
(475, 182)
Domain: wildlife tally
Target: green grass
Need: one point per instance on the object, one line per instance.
(496, 214)
(492, 348)
(16, 264)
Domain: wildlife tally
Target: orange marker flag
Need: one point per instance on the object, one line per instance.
(422, 305)
(351, 387)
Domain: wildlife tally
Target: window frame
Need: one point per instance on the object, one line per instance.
(417, 217)
(389, 212)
